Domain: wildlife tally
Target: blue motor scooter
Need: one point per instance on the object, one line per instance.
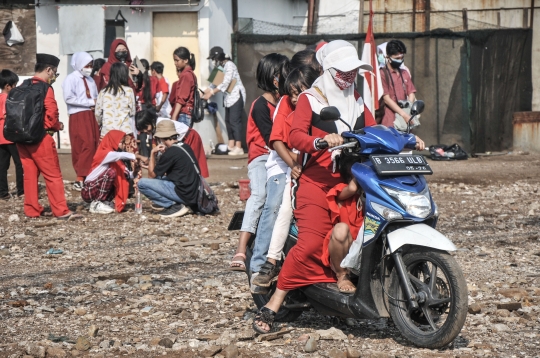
(403, 265)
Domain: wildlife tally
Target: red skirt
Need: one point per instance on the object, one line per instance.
(193, 139)
(84, 137)
(303, 265)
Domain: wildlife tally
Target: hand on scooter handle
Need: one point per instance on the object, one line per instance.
(333, 140)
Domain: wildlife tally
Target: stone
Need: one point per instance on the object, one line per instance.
(80, 311)
(106, 344)
(145, 286)
(93, 331)
(336, 353)
(231, 351)
(132, 281)
(210, 351)
(502, 313)
(55, 352)
(214, 246)
(184, 239)
(499, 327)
(303, 338)
(13, 218)
(475, 308)
(82, 344)
(166, 342)
(332, 334)
(353, 353)
(171, 241)
(145, 278)
(510, 306)
(35, 350)
(155, 341)
(515, 293)
(311, 345)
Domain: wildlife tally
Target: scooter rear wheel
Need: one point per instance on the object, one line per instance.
(441, 316)
(284, 314)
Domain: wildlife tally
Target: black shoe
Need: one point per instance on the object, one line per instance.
(157, 207)
(267, 274)
(175, 211)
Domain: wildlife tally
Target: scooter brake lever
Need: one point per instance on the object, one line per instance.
(346, 145)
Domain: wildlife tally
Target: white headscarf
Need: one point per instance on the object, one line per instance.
(181, 128)
(79, 60)
(342, 56)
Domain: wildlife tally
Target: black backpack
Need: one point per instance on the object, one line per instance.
(25, 111)
(207, 202)
(197, 114)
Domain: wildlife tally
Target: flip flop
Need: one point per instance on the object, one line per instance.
(241, 264)
(346, 277)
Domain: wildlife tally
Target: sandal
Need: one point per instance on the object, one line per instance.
(342, 281)
(265, 315)
(70, 216)
(238, 265)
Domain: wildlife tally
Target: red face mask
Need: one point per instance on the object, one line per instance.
(343, 80)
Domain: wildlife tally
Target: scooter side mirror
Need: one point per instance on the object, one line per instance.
(417, 108)
(330, 113)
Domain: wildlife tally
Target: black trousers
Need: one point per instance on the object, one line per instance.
(145, 145)
(8, 151)
(233, 120)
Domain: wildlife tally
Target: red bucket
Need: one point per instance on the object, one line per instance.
(245, 192)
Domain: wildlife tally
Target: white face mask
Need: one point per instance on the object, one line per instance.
(86, 71)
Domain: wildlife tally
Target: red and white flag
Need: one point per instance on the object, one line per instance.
(373, 89)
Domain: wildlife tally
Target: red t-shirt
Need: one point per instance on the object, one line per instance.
(163, 86)
(281, 127)
(172, 95)
(397, 87)
(259, 128)
(185, 90)
(305, 129)
(3, 97)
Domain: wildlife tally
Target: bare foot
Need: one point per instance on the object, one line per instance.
(345, 285)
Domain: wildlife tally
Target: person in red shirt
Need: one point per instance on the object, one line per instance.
(119, 52)
(185, 88)
(303, 265)
(397, 84)
(8, 150)
(259, 128)
(163, 107)
(42, 158)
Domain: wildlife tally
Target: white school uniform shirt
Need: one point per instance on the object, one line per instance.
(75, 93)
(166, 108)
(275, 165)
(231, 72)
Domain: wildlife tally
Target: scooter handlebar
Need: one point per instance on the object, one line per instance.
(322, 144)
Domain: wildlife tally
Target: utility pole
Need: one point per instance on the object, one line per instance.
(361, 17)
(234, 6)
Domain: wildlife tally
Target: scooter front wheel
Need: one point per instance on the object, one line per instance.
(441, 291)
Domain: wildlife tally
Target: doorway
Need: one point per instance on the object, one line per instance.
(170, 31)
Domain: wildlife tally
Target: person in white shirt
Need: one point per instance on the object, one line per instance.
(80, 93)
(234, 100)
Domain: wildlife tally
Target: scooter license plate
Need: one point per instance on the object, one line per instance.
(400, 164)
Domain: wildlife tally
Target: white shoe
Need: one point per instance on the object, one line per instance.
(97, 207)
(236, 151)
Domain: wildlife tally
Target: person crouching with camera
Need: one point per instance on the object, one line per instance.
(399, 91)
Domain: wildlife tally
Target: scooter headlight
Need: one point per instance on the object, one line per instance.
(386, 212)
(418, 205)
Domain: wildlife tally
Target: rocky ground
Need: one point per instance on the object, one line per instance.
(144, 287)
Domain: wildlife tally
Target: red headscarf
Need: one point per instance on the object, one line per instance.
(105, 72)
(121, 185)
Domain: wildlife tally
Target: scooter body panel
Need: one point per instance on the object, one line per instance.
(419, 235)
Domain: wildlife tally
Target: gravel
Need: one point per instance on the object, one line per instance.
(136, 285)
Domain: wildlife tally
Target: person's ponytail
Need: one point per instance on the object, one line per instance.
(184, 54)
(192, 62)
